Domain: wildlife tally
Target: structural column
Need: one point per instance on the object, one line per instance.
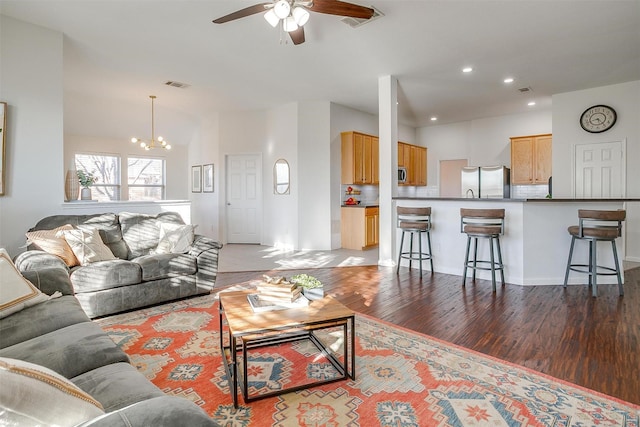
(388, 135)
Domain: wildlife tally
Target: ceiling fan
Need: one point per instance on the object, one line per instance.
(293, 14)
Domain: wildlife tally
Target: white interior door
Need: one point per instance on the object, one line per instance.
(599, 170)
(244, 198)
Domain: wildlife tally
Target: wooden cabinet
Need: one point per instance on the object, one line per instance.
(360, 158)
(531, 159)
(360, 227)
(414, 159)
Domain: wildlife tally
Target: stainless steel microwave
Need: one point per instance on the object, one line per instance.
(402, 175)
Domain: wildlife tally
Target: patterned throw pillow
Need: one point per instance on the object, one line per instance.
(34, 395)
(174, 238)
(53, 242)
(87, 245)
(16, 292)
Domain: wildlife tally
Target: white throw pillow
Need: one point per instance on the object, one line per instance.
(174, 238)
(88, 246)
(32, 395)
(16, 292)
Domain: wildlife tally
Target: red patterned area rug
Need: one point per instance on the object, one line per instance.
(403, 378)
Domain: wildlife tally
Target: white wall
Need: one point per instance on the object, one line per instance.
(484, 141)
(281, 210)
(177, 174)
(31, 75)
(206, 207)
(567, 108)
(314, 198)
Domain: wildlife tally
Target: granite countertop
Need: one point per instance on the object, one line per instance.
(361, 206)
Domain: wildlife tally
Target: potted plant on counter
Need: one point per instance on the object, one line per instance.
(86, 179)
(311, 287)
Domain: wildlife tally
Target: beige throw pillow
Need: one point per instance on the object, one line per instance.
(53, 242)
(174, 238)
(16, 292)
(87, 245)
(32, 395)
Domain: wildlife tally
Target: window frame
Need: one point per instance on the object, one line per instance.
(163, 186)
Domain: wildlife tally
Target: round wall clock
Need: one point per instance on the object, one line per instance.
(598, 118)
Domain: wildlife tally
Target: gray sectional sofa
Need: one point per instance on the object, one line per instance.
(58, 335)
(137, 277)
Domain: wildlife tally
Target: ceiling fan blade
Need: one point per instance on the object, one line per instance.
(247, 11)
(297, 36)
(341, 8)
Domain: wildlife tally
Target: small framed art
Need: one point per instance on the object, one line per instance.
(207, 178)
(196, 179)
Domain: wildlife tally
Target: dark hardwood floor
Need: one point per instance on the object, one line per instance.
(565, 333)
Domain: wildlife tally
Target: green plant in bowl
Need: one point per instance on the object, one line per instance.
(306, 282)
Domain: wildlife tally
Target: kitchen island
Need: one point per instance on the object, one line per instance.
(535, 245)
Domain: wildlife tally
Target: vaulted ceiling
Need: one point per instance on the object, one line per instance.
(117, 53)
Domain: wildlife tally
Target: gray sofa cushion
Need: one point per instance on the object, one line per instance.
(69, 351)
(49, 280)
(105, 275)
(142, 233)
(159, 411)
(107, 223)
(40, 319)
(165, 265)
(116, 385)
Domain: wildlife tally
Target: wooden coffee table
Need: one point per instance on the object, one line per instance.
(247, 329)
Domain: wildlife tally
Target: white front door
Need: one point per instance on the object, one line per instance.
(244, 198)
(599, 170)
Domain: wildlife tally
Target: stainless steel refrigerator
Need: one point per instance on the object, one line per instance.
(486, 182)
(470, 182)
(495, 182)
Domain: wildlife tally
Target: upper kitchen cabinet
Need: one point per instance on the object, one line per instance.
(531, 159)
(360, 158)
(414, 159)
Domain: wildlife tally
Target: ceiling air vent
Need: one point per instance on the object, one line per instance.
(525, 89)
(357, 22)
(177, 84)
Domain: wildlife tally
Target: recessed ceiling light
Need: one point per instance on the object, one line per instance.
(434, 118)
(508, 80)
(467, 69)
(531, 103)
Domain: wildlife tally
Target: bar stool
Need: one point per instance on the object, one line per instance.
(486, 224)
(415, 221)
(594, 227)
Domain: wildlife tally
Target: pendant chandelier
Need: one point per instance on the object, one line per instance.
(153, 142)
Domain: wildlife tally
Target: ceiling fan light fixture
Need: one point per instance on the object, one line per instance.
(282, 9)
(272, 18)
(301, 15)
(290, 24)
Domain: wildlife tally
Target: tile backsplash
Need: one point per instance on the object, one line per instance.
(529, 191)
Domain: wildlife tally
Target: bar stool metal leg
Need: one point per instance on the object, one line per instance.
(493, 265)
(466, 261)
(475, 257)
(429, 246)
(400, 252)
(617, 263)
(500, 259)
(420, 250)
(566, 274)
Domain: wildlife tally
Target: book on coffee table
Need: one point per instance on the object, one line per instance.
(259, 304)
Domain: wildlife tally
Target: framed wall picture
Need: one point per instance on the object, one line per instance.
(207, 178)
(3, 126)
(196, 179)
